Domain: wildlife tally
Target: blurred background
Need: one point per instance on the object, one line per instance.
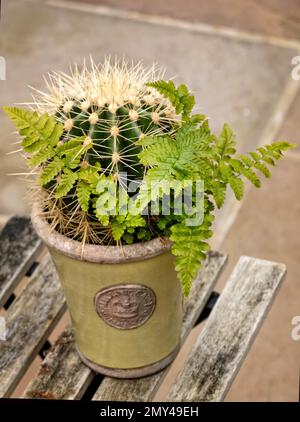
(238, 58)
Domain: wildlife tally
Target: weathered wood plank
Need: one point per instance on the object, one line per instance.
(229, 332)
(62, 374)
(29, 322)
(19, 245)
(144, 389)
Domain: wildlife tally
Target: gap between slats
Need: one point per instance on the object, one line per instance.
(229, 332)
(29, 321)
(19, 246)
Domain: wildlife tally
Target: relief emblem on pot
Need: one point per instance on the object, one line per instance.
(125, 306)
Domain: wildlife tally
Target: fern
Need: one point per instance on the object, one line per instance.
(42, 156)
(51, 171)
(91, 176)
(195, 153)
(219, 193)
(38, 132)
(23, 119)
(229, 168)
(72, 148)
(237, 185)
(106, 202)
(117, 229)
(66, 183)
(226, 143)
(83, 194)
(190, 249)
(122, 223)
(180, 97)
(188, 154)
(240, 168)
(262, 168)
(103, 218)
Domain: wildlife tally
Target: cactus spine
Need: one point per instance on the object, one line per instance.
(112, 108)
(86, 127)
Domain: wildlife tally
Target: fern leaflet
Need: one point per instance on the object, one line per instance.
(66, 183)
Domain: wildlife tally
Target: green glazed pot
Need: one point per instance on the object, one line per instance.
(125, 302)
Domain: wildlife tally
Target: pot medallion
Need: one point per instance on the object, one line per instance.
(125, 306)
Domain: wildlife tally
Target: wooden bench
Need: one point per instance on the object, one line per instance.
(209, 370)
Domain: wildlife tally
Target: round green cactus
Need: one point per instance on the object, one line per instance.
(88, 127)
(112, 108)
(113, 130)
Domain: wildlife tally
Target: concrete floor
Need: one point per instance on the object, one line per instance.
(240, 79)
(270, 17)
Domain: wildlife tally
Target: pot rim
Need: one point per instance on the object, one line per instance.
(96, 253)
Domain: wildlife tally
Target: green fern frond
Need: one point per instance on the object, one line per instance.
(190, 249)
(187, 155)
(38, 131)
(252, 177)
(180, 97)
(122, 223)
(83, 194)
(274, 150)
(42, 156)
(73, 150)
(160, 150)
(66, 183)
(219, 193)
(226, 143)
(263, 169)
(51, 171)
(22, 118)
(117, 230)
(237, 185)
(90, 175)
(231, 168)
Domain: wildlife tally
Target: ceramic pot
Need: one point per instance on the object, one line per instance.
(125, 302)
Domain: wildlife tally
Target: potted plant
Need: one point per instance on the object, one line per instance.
(128, 181)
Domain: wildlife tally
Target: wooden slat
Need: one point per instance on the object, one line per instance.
(229, 332)
(29, 322)
(62, 374)
(19, 245)
(144, 389)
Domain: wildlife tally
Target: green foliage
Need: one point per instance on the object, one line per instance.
(38, 132)
(83, 194)
(196, 153)
(180, 97)
(72, 151)
(230, 167)
(219, 192)
(190, 249)
(124, 223)
(237, 185)
(225, 144)
(80, 163)
(67, 180)
(50, 171)
(42, 156)
(186, 155)
(91, 175)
